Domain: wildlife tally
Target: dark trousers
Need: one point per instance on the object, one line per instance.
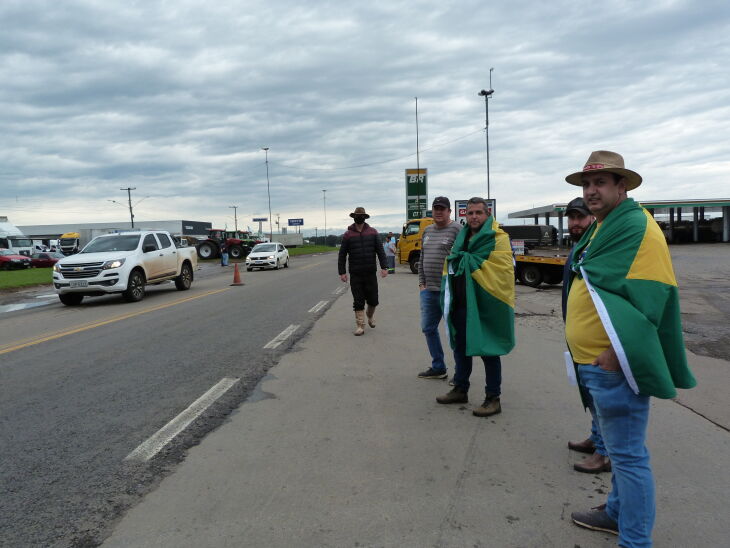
(492, 364)
(364, 289)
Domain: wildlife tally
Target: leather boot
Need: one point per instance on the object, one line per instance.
(585, 446)
(370, 313)
(594, 464)
(359, 322)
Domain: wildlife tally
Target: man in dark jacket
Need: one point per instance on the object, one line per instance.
(362, 243)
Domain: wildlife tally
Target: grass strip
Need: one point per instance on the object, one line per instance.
(10, 279)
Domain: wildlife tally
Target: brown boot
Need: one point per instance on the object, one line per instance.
(370, 313)
(359, 322)
(594, 464)
(585, 446)
(491, 406)
(454, 396)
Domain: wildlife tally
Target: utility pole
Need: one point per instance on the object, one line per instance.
(324, 201)
(487, 94)
(418, 166)
(129, 197)
(268, 191)
(235, 215)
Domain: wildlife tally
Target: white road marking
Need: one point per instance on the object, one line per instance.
(340, 290)
(317, 307)
(281, 337)
(150, 447)
(46, 296)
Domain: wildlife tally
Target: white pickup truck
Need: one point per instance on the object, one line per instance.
(123, 263)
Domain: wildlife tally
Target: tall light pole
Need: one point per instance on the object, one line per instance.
(487, 94)
(268, 191)
(324, 202)
(418, 166)
(129, 196)
(235, 215)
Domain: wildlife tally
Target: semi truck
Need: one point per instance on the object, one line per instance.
(13, 239)
(69, 243)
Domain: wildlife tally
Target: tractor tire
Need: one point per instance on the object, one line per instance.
(71, 299)
(413, 263)
(135, 287)
(530, 275)
(236, 252)
(207, 250)
(185, 279)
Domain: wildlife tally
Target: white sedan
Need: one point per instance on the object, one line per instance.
(268, 255)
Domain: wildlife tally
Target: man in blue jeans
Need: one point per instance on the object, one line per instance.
(435, 246)
(624, 332)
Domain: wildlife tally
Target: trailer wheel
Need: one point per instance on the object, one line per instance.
(530, 275)
(236, 252)
(413, 263)
(554, 278)
(206, 250)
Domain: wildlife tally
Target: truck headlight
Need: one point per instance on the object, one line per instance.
(56, 268)
(116, 263)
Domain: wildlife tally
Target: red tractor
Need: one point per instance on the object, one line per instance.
(239, 244)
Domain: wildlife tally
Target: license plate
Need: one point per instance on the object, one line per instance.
(78, 283)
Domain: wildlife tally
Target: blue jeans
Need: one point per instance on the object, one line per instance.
(224, 259)
(492, 364)
(622, 420)
(390, 259)
(430, 317)
(596, 437)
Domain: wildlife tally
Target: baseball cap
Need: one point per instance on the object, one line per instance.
(577, 204)
(441, 201)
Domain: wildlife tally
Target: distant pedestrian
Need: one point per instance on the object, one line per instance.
(478, 299)
(389, 248)
(624, 332)
(360, 247)
(435, 246)
(224, 253)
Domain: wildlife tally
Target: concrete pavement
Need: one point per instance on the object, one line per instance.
(343, 446)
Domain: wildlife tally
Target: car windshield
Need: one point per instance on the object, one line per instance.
(7, 252)
(20, 242)
(126, 242)
(263, 248)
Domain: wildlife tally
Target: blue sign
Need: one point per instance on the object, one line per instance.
(260, 219)
(296, 222)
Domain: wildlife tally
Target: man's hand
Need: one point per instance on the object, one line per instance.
(343, 277)
(421, 287)
(608, 360)
(383, 272)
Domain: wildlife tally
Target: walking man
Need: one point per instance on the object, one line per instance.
(624, 332)
(478, 299)
(389, 248)
(360, 246)
(579, 219)
(435, 246)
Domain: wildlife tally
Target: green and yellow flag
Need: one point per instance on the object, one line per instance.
(490, 289)
(628, 272)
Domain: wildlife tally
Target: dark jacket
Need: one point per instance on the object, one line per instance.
(362, 247)
(566, 281)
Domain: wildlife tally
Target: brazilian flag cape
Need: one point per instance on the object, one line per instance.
(487, 264)
(629, 276)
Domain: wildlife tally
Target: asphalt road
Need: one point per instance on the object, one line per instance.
(82, 387)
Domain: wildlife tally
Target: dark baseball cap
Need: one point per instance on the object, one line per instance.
(577, 204)
(441, 201)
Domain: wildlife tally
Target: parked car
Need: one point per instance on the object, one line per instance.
(268, 255)
(11, 260)
(45, 259)
(123, 263)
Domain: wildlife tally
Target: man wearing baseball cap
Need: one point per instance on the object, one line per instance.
(624, 332)
(435, 246)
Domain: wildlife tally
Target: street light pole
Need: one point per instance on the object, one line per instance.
(235, 215)
(129, 196)
(268, 191)
(324, 201)
(487, 94)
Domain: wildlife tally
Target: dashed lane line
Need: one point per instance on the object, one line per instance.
(317, 307)
(155, 443)
(281, 337)
(340, 290)
(45, 338)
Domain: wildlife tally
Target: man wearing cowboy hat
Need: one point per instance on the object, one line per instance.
(361, 243)
(624, 332)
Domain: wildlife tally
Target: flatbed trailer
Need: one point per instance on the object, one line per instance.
(533, 270)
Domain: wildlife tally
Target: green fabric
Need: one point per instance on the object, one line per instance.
(489, 320)
(644, 313)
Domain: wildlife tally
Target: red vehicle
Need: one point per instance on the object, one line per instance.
(45, 259)
(11, 260)
(239, 244)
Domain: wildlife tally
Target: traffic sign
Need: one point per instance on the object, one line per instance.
(260, 219)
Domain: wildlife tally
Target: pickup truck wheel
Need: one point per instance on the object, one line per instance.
(71, 299)
(135, 287)
(531, 275)
(236, 252)
(206, 251)
(286, 264)
(185, 279)
(249, 269)
(413, 263)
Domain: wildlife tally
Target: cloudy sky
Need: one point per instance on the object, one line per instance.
(177, 98)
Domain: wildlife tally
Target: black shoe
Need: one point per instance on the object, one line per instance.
(432, 373)
(595, 519)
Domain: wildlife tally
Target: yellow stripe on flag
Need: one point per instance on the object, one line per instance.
(496, 275)
(652, 261)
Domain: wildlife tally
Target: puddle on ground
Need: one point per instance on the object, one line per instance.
(21, 306)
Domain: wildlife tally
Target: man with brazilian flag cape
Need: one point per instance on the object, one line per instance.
(478, 299)
(624, 332)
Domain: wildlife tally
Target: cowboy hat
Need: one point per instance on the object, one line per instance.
(604, 160)
(359, 211)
